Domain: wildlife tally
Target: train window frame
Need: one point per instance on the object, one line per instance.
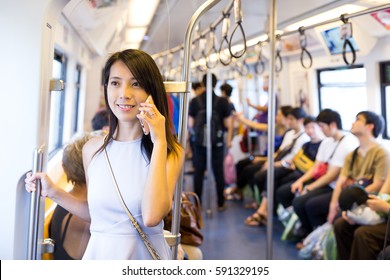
(57, 105)
(350, 85)
(385, 91)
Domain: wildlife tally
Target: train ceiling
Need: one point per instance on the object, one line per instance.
(102, 23)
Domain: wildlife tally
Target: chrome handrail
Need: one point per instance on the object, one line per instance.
(33, 234)
(184, 101)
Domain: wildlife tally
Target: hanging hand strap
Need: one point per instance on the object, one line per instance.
(144, 238)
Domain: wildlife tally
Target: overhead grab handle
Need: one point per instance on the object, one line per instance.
(202, 48)
(259, 66)
(196, 50)
(303, 43)
(346, 35)
(212, 50)
(242, 68)
(238, 21)
(225, 31)
(202, 45)
(278, 59)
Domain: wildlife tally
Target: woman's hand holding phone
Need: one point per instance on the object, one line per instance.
(144, 125)
(152, 122)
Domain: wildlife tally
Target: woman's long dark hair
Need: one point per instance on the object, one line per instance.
(146, 72)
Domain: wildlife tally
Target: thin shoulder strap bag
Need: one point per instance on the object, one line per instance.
(144, 237)
(335, 148)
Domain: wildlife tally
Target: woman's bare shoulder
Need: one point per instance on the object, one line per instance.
(91, 147)
(94, 142)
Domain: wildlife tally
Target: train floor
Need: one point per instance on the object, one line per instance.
(226, 237)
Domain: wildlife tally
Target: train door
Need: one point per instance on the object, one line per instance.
(33, 62)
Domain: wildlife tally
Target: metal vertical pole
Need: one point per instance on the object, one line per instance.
(271, 128)
(209, 106)
(33, 238)
(175, 228)
(243, 89)
(184, 115)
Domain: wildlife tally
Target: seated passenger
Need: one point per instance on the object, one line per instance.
(331, 153)
(297, 137)
(301, 162)
(295, 119)
(247, 167)
(70, 233)
(312, 204)
(363, 242)
(369, 162)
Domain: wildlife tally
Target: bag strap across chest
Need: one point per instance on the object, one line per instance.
(136, 225)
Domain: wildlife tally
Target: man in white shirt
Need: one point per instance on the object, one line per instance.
(313, 203)
(295, 119)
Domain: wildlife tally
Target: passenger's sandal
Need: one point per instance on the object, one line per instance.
(256, 220)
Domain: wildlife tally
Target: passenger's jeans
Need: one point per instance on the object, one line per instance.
(246, 171)
(313, 207)
(217, 157)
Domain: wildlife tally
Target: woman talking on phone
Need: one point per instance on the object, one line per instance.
(132, 172)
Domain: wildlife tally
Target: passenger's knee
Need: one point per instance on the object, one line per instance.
(311, 207)
(298, 205)
(361, 233)
(279, 195)
(339, 225)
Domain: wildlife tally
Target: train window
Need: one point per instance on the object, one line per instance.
(57, 104)
(76, 99)
(252, 91)
(384, 68)
(338, 86)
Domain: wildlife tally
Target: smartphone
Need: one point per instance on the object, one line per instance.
(286, 164)
(144, 125)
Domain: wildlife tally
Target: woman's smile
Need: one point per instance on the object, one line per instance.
(125, 107)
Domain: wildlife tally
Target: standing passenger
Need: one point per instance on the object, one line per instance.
(222, 109)
(197, 89)
(145, 166)
(226, 91)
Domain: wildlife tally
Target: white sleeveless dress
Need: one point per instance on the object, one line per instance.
(113, 237)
